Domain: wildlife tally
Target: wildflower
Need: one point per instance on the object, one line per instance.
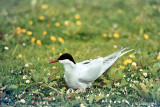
(41, 18)
(82, 105)
(115, 46)
(57, 24)
(116, 35)
(22, 101)
(79, 23)
(141, 70)
(57, 77)
(128, 61)
(20, 55)
(154, 6)
(151, 85)
(18, 30)
(44, 32)
(125, 62)
(48, 74)
(53, 38)
(5, 13)
(44, 6)
(117, 84)
(53, 48)
(60, 40)
(33, 40)
(30, 22)
(145, 74)
(29, 33)
(27, 81)
(23, 44)
(6, 48)
(27, 65)
(131, 56)
(104, 35)
(77, 16)
(23, 30)
(134, 64)
(24, 77)
(121, 67)
(158, 57)
(39, 42)
(60, 54)
(48, 25)
(119, 11)
(66, 23)
(124, 75)
(54, 68)
(146, 36)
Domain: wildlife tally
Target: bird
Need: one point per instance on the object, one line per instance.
(81, 75)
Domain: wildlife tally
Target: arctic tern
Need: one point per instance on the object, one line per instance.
(81, 75)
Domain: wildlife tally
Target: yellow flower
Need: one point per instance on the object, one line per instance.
(33, 40)
(159, 10)
(146, 36)
(127, 61)
(60, 40)
(77, 16)
(29, 33)
(60, 54)
(66, 23)
(39, 42)
(119, 11)
(151, 85)
(57, 24)
(57, 77)
(53, 38)
(158, 57)
(121, 67)
(104, 35)
(23, 30)
(53, 48)
(116, 35)
(44, 6)
(41, 17)
(18, 30)
(154, 6)
(79, 23)
(131, 56)
(20, 55)
(30, 22)
(5, 13)
(44, 32)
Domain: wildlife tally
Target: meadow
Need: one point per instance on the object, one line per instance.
(35, 32)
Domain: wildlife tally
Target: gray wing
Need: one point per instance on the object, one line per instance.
(91, 71)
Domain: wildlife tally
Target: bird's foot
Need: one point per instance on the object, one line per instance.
(80, 91)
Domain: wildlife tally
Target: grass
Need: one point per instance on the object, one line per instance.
(85, 29)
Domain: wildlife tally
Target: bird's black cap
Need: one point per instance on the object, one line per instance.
(66, 56)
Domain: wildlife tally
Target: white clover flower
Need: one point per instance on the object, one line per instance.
(27, 81)
(82, 105)
(140, 69)
(27, 65)
(117, 84)
(24, 77)
(134, 64)
(107, 95)
(24, 44)
(110, 101)
(12, 71)
(48, 74)
(53, 98)
(6, 48)
(115, 46)
(22, 101)
(145, 74)
(124, 75)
